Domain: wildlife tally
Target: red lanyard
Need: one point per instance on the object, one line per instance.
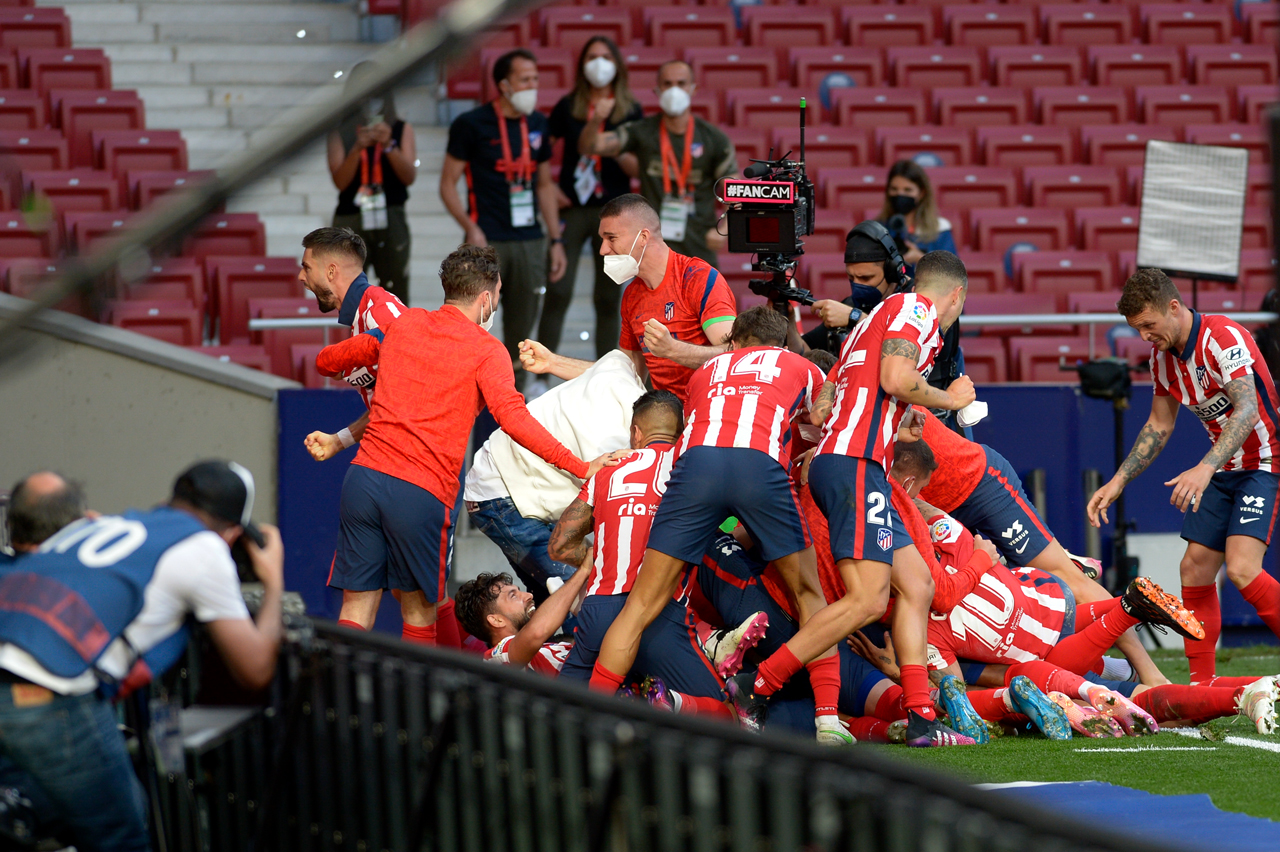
(377, 166)
(669, 159)
(514, 170)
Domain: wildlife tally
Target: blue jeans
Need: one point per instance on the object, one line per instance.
(72, 749)
(522, 540)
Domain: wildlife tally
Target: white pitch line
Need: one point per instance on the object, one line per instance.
(1147, 748)
(1241, 741)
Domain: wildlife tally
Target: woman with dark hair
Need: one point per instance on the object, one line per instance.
(372, 158)
(911, 213)
(586, 184)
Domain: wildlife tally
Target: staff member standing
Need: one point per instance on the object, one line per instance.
(588, 183)
(681, 158)
(502, 148)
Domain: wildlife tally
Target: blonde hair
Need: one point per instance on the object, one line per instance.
(623, 99)
(926, 210)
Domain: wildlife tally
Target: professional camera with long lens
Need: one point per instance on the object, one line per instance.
(770, 211)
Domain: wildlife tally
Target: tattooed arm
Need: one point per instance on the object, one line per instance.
(569, 538)
(823, 404)
(1151, 440)
(1243, 419)
(901, 379)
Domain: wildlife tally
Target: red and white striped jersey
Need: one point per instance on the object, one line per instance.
(1010, 617)
(623, 500)
(375, 310)
(864, 421)
(1219, 351)
(548, 661)
(747, 398)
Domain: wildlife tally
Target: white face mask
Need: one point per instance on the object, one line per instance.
(674, 101)
(524, 101)
(600, 72)
(623, 267)
(487, 324)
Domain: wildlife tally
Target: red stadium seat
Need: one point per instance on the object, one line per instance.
(21, 110)
(1073, 106)
(1040, 359)
(46, 69)
(1062, 273)
(84, 228)
(1136, 65)
(75, 189)
(6, 195)
(1121, 145)
(1187, 23)
(1108, 228)
(1259, 192)
(253, 357)
(1086, 24)
(38, 150)
(985, 359)
(643, 63)
(829, 231)
(173, 322)
(24, 277)
(1257, 270)
(229, 234)
(750, 143)
(20, 237)
(825, 275)
(174, 278)
(570, 27)
(965, 187)
(146, 187)
(1261, 21)
(34, 28)
(980, 106)
(986, 271)
(880, 107)
(1097, 303)
(557, 68)
(998, 229)
(304, 366)
(1135, 350)
(1232, 64)
(1030, 145)
(811, 65)
(9, 78)
(851, 189)
(80, 112)
(952, 145)
(1028, 66)
(1257, 229)
(121, 151)
(1252, 102)
(1075, 186)
(235, 280)
(826, 146)
(896, 26)
(986, 24)
(1253, 138)
(1181, 105)
(989, 304)
(929, 67)
(768, 108)
(788, 26)
(278, 342)
(684, 27)
(737, 272)
(733, 67)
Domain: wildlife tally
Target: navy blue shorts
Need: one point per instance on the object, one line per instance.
(391, 535)
(709, 484)
(1000, 510)
(1237, 502)
(854, 496)
(669, 648)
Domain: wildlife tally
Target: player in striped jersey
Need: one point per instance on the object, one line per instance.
(517, 631)
(1211, 365)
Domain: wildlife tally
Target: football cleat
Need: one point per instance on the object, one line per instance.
(751, 708)
(726, 647)
(1087, 720)
(1148, 602)
(630, 689)
(1258, 702)
(834, 734)
(897, 733)
(957, 705)
(1133, 719)
(656, 693)
(1049, 717)
(923, 733)
(1091, 568)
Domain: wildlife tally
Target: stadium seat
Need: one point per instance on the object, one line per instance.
(1136, 65)
(1187, 23)
(1226, 301)
(174, 278)
(985, 359)
(1073, 106)
(1257, 229)
(767, 108)
(235, 280)
(570, 27)
(930, 67)
(1040, 359)
(1029, 145)
(47, 27)
(253, 357)
(24, 277)
(989, 304)
(121, 151)
(1108, 228)
(85, 228)
(1232, 64)
(1261, 22)
(643, 63)
(304, 366)
(980, 106)
(825, 275)
(1133, 349)
(548, 97)
(825, 145)
(75, 189)
(1097, 302)
(6, 195)
(80, 112)
(737, 272)
(996, 229)
(45, 69)
(173, 322)
(870, 108)
(1120, 144)
(239, 234)
(986, 24)
(896, 26)
(279, 342)
(1038, 65)
(1086, 24)
(679, 27)
(1252, 102)
(1255, 139)
(9, 78)
(146, 186)
(557, 68)
(952, 145)
(1181, 105)
(21, 110)
(21, 238)
(965, 187)
(733, 67)
(32, 150)
(1061, 273)
(781, 27)
(829, 231)
(750, 143)
(1257, 270)
(1259, 191)
(1075, 186)
(851, 189)
(986, 271)
(811, 65)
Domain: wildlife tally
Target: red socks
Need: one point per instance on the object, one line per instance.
(1089, 613)
(448, 633)
(1263, 594)
(1047, 677)
(603, 680)
(1081, 651)
(1230, 682)
(868, 730)
(824, 677)
(421, 635)
(777, 670)
(1175, 702)
(1203, 601)
(691, 705)
(915, 690)
(889, 707)
(989, 703)
(346, 622)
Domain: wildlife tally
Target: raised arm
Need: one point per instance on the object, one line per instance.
(358, 351)
(497, 386)
(546, 620)
(660, 342)
(1151, 440)
(901, 379)
(324, 446)
(538, 359)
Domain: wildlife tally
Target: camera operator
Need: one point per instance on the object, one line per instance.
(911, 214)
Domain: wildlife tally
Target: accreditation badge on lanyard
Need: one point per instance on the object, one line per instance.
(586, 175)
(370, 198)
(677, 205)
(519, 173)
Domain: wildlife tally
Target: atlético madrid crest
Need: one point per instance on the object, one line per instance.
(884, 538)
(669, 311)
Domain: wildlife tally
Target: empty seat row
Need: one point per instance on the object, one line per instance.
(76, 113)
(31, 27)
(44, 68)
(115, 151)
(100, 191)
(32, 236)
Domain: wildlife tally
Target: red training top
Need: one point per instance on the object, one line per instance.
(961, 463)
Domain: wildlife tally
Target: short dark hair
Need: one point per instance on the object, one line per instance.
(1147, 288)
(33, 517)
(468, 271)
(655, 401)
(916, 457)
(331, 241)
(474, 601)
(762, 324)
(941, 264)
(632, 204)
(822, 358)
(502, 68)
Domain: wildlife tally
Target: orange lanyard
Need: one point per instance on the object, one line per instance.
(377, 166)
(669, 159)
(513, 170)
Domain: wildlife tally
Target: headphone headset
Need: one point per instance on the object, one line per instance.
(895, 269)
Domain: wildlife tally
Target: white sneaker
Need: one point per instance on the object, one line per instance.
(832, 732)
(727, 647)
(1259, 703)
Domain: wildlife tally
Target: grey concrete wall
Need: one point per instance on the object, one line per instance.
(125, 413)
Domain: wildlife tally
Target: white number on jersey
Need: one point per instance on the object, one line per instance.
(103, 542)
(619, 488)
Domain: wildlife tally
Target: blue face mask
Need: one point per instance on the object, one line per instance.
(865, 297)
